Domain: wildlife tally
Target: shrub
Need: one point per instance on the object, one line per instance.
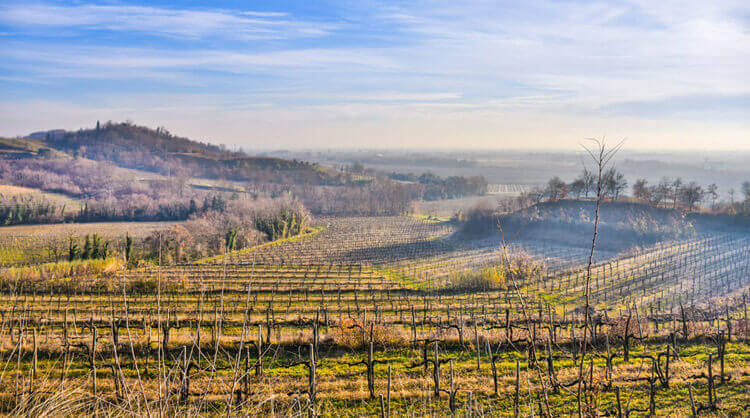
(485, 279)
(513, 268)
(349, 333)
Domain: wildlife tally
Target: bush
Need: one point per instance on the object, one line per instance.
(513, 268)
(486, 279)
(349, 333)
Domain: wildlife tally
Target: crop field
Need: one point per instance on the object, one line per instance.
(355, 318)
(33, 244)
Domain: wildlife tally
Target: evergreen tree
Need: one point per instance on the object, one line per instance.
(128, 247)
(231, 239)
(72, 249)
(95, 247)
(86, 254)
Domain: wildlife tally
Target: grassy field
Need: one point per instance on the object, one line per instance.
(317, 324)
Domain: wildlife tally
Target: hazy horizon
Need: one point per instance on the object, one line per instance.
(418, 75)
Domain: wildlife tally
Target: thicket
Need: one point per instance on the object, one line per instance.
(239, 224)
(434, 187)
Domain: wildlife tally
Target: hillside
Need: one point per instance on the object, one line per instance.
(622, 225)
(16, 148)
(157, 150)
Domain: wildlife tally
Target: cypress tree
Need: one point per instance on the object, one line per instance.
(128, 247)
(95, 247)
(231, 239)
(86, 254)
(72, 249)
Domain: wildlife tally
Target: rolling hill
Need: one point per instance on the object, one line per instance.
(157, 150)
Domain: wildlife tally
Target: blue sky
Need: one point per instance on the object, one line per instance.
(283, 74)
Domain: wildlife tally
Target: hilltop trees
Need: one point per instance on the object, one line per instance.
(746, 194)
(641, 191)
(613, 183)
(667, 193)
(660, 192)
(584, 184)
(712, 193)
(690, 194)
(556, 189)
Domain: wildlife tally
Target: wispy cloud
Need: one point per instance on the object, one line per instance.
(543, 63)
(181, 23)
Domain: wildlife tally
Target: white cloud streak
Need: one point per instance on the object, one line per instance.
(190, 24)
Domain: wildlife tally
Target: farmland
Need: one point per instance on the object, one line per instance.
(374, 209)
(357, 315)
(33, 244)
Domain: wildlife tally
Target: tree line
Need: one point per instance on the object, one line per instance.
(435, 187)
(667, 193)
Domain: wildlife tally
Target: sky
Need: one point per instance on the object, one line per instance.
(452, 74)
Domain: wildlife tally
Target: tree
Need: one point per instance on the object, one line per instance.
(614, 183)
(578, 187)
(535, 195)
(641, 191)
(691, 194)
(602, 155)
(712, 192)
(676, 184)
(128, 247)
(661, 192)
(590, 180)
(584, 184)
(87, 250)
(72, 249)
(556, 189)
(96, 247)
(230, 239)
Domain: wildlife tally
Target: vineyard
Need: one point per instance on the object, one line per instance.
(356, 317)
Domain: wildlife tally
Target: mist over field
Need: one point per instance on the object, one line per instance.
(422, 208)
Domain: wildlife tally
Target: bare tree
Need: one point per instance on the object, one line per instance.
(691, 194)
(676, 185)
(712, 192)
(556, 189)
(602, 155)
(641, 191)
